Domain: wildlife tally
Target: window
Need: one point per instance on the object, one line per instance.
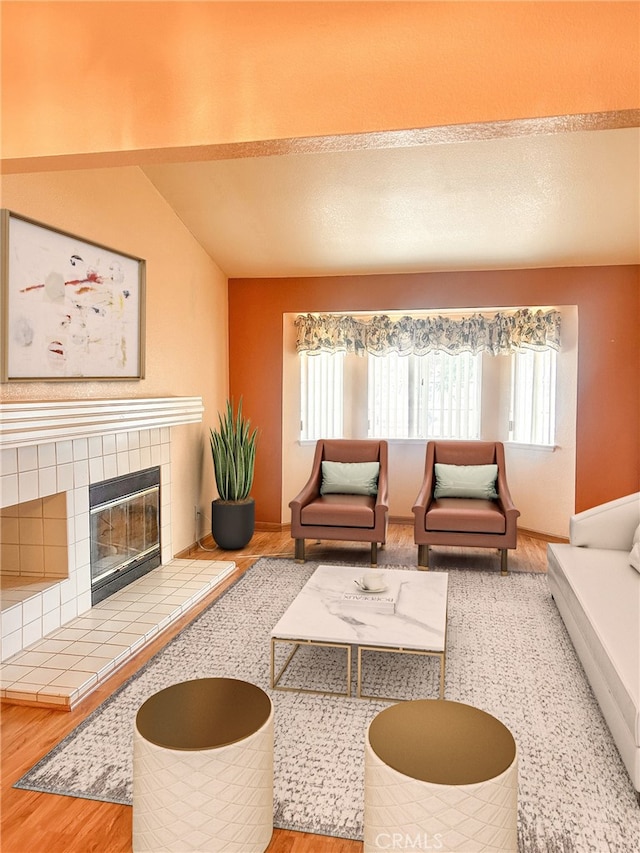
(354, 392)
(321, 395)
(533, 397)
(429, 396)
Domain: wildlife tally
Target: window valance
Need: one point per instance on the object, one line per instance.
(497, 334)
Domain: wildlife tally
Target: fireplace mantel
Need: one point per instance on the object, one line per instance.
(26, 423)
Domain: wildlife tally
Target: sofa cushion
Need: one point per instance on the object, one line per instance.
(465, 481)
(349, 478)
(340, 511)
(603, 592)
(465, 515)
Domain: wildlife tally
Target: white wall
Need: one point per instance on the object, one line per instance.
(541, 480)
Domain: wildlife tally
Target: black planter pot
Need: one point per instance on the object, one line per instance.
(232, 523)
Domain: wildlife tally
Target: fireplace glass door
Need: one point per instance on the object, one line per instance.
(125, 530)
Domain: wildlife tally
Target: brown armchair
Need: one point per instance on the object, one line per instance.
(484, 523)
(336, 516)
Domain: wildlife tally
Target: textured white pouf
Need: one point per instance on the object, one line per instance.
(203, 769)
(440, 775)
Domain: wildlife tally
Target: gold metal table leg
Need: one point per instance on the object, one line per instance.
(398, 651)
(297, 643)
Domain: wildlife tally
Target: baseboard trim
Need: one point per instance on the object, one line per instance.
(271, 526)
(274, 527)
(547, 537)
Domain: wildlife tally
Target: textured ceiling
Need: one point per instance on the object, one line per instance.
(559, 199)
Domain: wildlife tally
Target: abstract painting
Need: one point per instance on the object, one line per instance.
(72, 309)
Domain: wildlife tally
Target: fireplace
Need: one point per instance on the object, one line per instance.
(51, 454)
(124, 517)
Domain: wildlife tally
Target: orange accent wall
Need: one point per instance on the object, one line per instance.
(608, 300)
(128, 76)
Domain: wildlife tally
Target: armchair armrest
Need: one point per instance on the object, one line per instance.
(382, 496)
(382, 499)
(425, 495)
(309, 492)
(311, 489)
(610, 525)
(504, 497)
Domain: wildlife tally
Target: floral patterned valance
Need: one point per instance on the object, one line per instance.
(497, 334)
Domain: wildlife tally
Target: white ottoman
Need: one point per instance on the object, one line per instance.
(440, 775)
(203, 769)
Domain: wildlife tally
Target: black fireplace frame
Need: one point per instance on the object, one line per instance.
(122, 487)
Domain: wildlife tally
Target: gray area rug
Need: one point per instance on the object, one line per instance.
(508, 653)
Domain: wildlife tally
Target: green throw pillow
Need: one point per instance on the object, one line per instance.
(466, 481)
(350, 478)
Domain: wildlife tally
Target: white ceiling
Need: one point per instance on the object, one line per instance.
(561, 199)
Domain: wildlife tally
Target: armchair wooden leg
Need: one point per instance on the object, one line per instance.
(299, 551)
(374, 553)
(423, 557)
(504, 570)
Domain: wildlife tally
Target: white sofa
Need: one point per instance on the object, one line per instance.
(597, 592)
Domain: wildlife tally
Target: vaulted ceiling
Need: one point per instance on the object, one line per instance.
(535, 200)
(329, 138)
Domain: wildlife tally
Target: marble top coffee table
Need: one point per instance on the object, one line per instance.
(321, 616)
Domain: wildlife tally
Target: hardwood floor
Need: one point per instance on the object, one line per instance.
(47, 823)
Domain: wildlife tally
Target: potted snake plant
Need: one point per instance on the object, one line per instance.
(233, 450)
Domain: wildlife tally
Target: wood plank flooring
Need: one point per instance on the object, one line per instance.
(45, 823)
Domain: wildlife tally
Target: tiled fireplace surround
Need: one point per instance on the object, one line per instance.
(51, 452)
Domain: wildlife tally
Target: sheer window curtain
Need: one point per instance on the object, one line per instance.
(432, 396)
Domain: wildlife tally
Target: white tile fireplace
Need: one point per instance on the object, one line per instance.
(50, 454)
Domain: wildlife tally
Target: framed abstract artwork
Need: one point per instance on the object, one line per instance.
(71, 309)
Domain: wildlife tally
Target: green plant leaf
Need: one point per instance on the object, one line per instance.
(233, 450)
